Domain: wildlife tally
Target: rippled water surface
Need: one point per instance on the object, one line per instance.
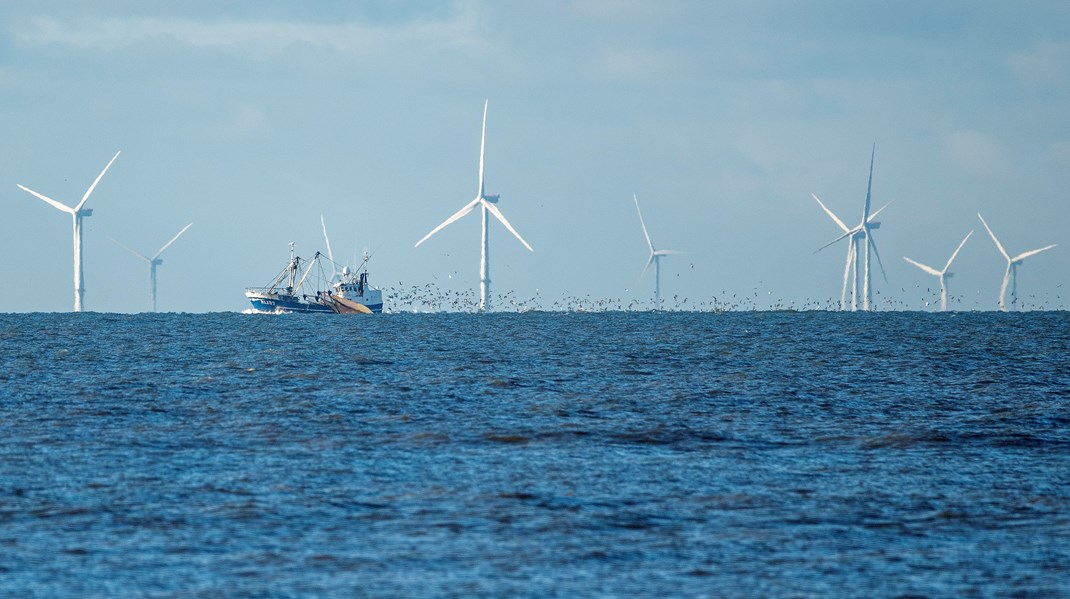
(539, 454)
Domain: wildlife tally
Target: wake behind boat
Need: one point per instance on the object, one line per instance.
(349, 293)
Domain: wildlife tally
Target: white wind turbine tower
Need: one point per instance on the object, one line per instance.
(154, 262)
(1011, 274)
(942, 274)
(655, 257)
(77, 214)
(859, 234)
(487, 205)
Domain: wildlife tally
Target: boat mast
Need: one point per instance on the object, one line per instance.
(311, 264)
(293, 269)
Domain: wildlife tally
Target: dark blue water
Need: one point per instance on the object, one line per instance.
(672, 454)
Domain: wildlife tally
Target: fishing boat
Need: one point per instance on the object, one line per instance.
(345, 292)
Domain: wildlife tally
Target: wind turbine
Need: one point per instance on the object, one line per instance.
(859, 234)
(154, 262)
(1011, 274)
(655, 257)
(942, 274)
(487, 205)
(77, 214)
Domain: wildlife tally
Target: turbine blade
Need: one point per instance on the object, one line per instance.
(482, 146)
(1003, 287)
(927, 269)
(463, 211)
(330, 255)
(869, 186)
(835, 218)
(956, 252)
(847, 267)
(1025, 255)
(498, 214)
(136, 253)
(641, 222)
(648, 263)
(847, 234)
(54, 203)
(993, 236)
(168, 244)
(874, 215)
(97, 180)
(873, 246)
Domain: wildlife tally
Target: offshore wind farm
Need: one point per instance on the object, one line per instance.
(856, 286)
(778, 406)
(725, 157)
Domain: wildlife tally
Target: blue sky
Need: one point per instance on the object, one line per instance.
(253, 118)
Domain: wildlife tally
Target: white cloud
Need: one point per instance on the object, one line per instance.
(357, 41)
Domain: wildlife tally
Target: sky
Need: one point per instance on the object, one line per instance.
(253, 118)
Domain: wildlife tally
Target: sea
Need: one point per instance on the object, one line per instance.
(537, 454)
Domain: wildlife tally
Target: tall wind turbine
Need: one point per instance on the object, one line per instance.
(77, 214)
(1011, 274)
(942, 274)
(487, 205)
(154, 262)
(860, 234)
(655, 257)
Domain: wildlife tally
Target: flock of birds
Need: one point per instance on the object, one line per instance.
(431, 298)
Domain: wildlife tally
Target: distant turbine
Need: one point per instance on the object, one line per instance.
(1011, 274)
(859, 234)
(942, 274)
(77, 214)
(487, 205)
(655, 257)
(153, 262)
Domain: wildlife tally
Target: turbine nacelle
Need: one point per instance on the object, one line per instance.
(85, 212)
(492, 199)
